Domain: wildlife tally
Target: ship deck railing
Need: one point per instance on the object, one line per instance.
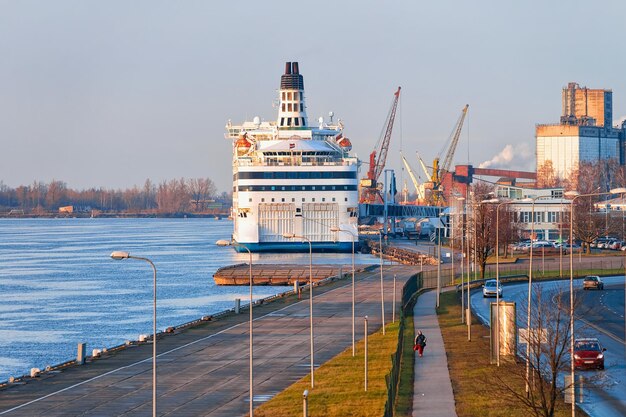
(286, 162)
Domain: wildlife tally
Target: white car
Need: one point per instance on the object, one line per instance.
(489, 289)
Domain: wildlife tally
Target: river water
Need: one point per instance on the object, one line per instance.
(59, 287)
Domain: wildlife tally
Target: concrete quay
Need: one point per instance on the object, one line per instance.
(203, 370)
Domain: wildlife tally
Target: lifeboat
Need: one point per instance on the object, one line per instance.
(243, 144)
(344, 142)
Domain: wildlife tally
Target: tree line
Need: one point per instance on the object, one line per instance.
(193, 195)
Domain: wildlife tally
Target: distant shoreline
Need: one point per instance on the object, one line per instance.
(218, 216)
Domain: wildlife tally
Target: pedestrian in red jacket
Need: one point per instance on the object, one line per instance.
(420, 343)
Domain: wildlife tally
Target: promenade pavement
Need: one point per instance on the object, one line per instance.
(432, 390)
(203, 371)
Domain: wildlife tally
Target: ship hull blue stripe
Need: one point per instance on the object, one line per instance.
(298, 247)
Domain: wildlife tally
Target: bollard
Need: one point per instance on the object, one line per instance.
(340, 275)
(80, 356)
(365, 353)
(305, 403)
(296, 289)
(237, 305)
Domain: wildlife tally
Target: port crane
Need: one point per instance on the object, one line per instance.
(439, 171)
(370, 192)
(416, 183)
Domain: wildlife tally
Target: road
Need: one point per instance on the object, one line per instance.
(600, 314)
(204, 371)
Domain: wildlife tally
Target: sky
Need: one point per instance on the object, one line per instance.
(110, 93)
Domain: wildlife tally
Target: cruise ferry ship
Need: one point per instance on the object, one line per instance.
(293, 179)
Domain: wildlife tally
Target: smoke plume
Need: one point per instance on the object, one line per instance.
(518, 156)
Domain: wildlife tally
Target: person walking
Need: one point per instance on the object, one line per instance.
(420, 343)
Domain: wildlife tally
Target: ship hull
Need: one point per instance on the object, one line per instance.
(295, 247)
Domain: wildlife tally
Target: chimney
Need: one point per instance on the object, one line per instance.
(287, 68)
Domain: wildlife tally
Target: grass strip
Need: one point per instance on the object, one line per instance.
(339, 383)
(404, 401)
(471, 373)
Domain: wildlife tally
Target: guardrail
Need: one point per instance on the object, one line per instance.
(409, 295)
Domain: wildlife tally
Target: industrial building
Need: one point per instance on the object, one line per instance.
(584, 133)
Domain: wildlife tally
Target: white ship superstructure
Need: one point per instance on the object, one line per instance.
(292, 178)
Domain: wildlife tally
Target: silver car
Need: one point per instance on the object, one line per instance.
(490, 289)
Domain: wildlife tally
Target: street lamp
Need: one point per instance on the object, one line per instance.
(462, 260)
(497, 344)
(530, 283)
(293, 236)
(439, 259)
(382, 288)
(576, 195)
(354, 237)
(119, 255)
(239, 245)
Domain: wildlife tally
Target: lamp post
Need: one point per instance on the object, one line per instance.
(354, 237)
(462, 259)
(576, 195)
(119, 255)
(530, 285)
(468, 315)
(293, 236)
(497, 344)
(439, 259)
(382, 288)
(233, 243)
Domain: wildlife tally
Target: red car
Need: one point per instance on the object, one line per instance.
(588, 353)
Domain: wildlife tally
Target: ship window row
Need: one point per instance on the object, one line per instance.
(297, 188)
(293, 200)
(298, 153)
(289, 95)
(292, 107)
(290, 175)
(296, 121)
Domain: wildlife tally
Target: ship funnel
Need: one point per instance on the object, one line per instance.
(292, 107)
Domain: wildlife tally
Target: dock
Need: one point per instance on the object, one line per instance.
(272, 274)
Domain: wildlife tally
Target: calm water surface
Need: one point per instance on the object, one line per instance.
(58, 286)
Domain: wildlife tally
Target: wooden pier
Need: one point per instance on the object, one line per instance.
(272, 274)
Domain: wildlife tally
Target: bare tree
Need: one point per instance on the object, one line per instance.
(55, 194)
(546, 353)
(546, 176)
(483, 225)
(508, 229)
(201, 190)
(588, 225)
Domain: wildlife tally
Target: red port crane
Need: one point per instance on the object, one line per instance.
(370, 192)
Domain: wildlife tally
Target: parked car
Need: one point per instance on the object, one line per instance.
(490, 289)
(593, 282)
(567, 247)
(521, 246)
(588, 353)
(615, 245)
(603, 242)
(543, 244)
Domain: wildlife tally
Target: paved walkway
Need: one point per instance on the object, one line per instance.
(432, 393)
